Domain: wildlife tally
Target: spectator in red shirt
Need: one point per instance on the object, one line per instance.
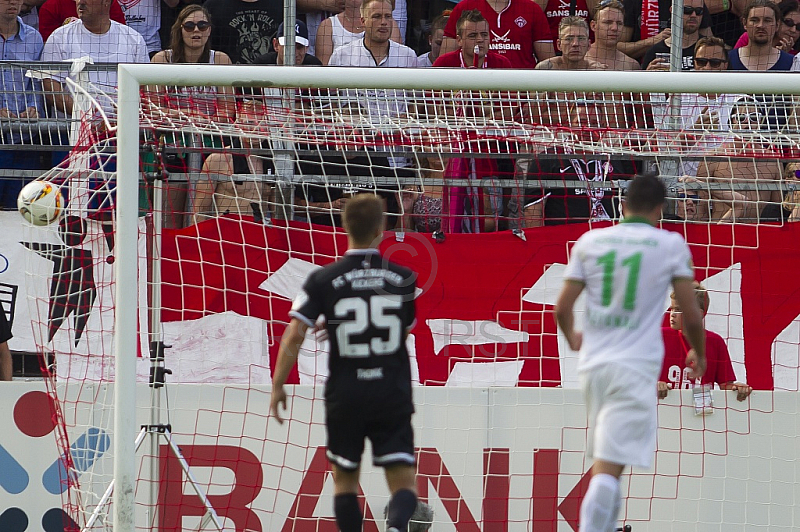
(471, 209)
(674, 371)
(473, 36)
(55, 13)
(518, 30)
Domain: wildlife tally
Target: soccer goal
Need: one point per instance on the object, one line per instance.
(197, 208)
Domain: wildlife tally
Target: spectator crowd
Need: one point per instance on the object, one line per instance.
(484, 34)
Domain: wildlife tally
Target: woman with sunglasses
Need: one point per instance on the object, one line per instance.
(190, 43)
(788, 29)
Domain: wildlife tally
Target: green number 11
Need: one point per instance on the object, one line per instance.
(609, 263)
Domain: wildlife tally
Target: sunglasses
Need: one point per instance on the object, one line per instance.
(201, 25)
(702, 61)
(753, 117)
(791, 23)
(688, 10)
(683, 196)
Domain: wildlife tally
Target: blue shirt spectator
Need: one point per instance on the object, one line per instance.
(19, 97)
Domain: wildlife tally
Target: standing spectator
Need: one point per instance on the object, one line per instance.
(191, 43)
(435, 37)
(314, 15)
(243, 28)
(704, 117)
(692, 17)
(6, 362)
(761, 24)
(317, 11)
(376, 49)
(607, 27)
(674, 373)
(788, 30)
(518, 30)
(710, 54)
(470, 209)
(301, 57)
(345, 28)
(573, 41)
(18, 98)
(56, 13)
(97, 36)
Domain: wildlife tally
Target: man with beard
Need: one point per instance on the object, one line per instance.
(761, 22)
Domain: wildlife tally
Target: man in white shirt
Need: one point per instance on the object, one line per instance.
(376, 49)
(626, 271)
(97, 36)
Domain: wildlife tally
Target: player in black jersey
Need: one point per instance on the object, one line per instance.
(368, 306)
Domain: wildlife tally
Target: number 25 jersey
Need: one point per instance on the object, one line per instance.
(368, 304)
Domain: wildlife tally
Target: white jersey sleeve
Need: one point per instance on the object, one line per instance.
(574, 270)
(681, 258)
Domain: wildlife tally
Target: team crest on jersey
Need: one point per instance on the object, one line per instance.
(520, 22)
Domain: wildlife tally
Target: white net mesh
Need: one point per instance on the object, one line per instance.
(250, 205)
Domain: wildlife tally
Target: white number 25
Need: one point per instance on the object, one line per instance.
(366, 314)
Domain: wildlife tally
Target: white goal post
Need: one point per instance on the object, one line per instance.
(132, 77)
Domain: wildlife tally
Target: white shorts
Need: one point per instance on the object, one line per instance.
(622, 410)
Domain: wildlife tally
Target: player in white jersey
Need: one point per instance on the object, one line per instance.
(626, 271)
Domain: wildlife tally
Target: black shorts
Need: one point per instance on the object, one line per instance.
(392, 439)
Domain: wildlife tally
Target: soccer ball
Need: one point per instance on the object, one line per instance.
(40, 202)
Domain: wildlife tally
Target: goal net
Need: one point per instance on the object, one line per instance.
(192, 222)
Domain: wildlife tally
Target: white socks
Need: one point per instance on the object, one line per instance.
(601, 504)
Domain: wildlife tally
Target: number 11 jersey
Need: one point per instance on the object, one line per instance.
(368, 305)
(627, 271)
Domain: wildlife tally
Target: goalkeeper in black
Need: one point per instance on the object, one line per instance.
(368, 306)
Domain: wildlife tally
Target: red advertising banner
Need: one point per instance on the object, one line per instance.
(220, 265)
